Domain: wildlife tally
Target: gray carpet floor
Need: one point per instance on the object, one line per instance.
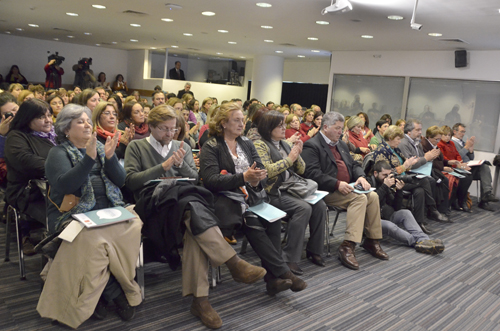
(457, 290)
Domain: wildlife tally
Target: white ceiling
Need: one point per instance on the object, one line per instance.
(475, 21)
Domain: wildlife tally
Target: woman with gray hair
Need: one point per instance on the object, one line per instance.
(98, 266)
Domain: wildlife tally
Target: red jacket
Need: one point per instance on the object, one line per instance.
(303, 136)
(449, 151)
(304, 127)
(53, 81)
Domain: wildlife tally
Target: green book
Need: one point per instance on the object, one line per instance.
(102, 217)
(267, 212)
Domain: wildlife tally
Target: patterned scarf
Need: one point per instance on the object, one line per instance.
(140, 129)
(87, 200)
(51, 135)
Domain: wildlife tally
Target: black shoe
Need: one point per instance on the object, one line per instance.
(465, 208)
(28, 248)
(100, 311)
(295, 268)
(425, 229)
(489, 197)
(123, 309)
(274, 286)
(456, 205)
(485, 206)
(437, 216)
(316, 259)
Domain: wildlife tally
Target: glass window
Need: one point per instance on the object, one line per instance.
(373, 95)
(446, 102)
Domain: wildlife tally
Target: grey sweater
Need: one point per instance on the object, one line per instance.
(408, 151)
(144, 163)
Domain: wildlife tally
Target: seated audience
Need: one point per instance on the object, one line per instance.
(248, 119)
(119, 85)
(38, 91)
(330, 165)
(8, 107)
(401, 123)
(15, 76)
(63, 94)
(56, 104)
(194, 108)
(253, 133)
(399, 223)
(30, 138)
(161, 156)
(117, 102)
(186, 90)
(307, 120)
(355, 134)
(24, 95)
(15, 89)
(482, 172)
(177, 104)
(133, 118)
(229, 162)
(283, 162)
(367, 133)
(89, 98)
(292, 123)
(101, 81)
(98, 267)
(379, 135)
(205, 107)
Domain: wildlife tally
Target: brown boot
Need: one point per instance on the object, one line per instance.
(372, 246)
(276, 285)
(297, 283)
(201, 308)
(346, 255)
(244, 272)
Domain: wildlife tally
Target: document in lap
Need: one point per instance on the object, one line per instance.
(267, 212)
(426, 169)
(315, 197)
(102, 217)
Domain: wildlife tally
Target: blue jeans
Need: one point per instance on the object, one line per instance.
(404, 228)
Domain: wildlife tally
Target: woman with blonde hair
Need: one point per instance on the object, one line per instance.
(24, 95)
(307, 120)
(205, 107)
(15, 89)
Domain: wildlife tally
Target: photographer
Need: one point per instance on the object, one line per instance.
(53, 72)
(398, 223)
(84, 76)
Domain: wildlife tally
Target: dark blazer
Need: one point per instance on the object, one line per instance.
(182, 92)
(321, 165)
(172, 74)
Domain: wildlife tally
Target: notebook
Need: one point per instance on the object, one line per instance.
(267, 212)
(315, 197)
(102, 217)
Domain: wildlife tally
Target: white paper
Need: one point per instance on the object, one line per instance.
(72, 230)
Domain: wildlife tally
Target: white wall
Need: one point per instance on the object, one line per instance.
(314, 72)
(31, 56)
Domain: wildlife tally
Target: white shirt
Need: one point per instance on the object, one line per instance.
(161, 149)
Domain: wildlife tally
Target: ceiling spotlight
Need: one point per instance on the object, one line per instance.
(340, 6)
(173, 46)
(322, 22)
(232, 42)
(153, 47)
(219, 53)
(314, 51)
(223, 31)
(135, 25)
(263, 4)
(71, 14)
(8, 32)
(395, 17)
(114, 42)
(99, 6)
(301, 56)
(435, 34)
(134, 40)
(208, 13)
(312, 38)
(87, 33)
(56, 39)
(188, 34)
(167, 20)
(279, 52)
(98, 44)
(269, 41)
(71, 36)
(19, 29)
(242, 57)
(33, 25)
(266, 26)
(367, 36)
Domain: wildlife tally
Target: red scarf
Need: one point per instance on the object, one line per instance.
(358, 140)
(105, 134)
(139, 129)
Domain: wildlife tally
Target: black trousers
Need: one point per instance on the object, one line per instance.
(463, 188)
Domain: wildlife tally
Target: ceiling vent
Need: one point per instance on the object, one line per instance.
(63, 30)
(193, 49)
(453, 40)
(133, 12)
(288, 44)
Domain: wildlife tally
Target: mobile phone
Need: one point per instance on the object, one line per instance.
(9, 114)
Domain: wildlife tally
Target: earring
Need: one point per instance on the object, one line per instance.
(67, 136)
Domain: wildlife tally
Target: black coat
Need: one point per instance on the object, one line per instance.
(321, 165)
(389, 200)
(172, 74)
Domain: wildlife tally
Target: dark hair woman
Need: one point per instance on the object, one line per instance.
(56, 104)
(105, 257)
(282, 161)
(119, 85)
(367, 133)
(29, 141)
(15, 76)
(229, 162)
(134, 119)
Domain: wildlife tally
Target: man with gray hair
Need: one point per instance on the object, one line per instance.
(187, 89)
(332, 167)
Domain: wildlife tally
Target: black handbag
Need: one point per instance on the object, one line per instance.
(255, 197)
(298, 187)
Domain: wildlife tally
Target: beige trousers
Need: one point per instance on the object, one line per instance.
(363, 213)
(80, 271)
(198, 250)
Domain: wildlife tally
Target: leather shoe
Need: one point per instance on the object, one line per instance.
(485, 206)
(465, 208)
(203, 310)
(316, 259)
(424, 228)
(231, 240)
(100, 311)
(28, 248)
(277, 285)
(437, 216)
(297, 283)
(346, 255)
(124, 310)
(244, 272)
(372, 246)
(489, 197)
(295, 268)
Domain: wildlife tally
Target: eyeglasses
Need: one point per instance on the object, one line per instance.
(167, 130)
(107, 113)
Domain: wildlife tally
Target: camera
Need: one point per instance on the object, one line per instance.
(403, 178)
(59, 59)
(416, 26)
(86, 62)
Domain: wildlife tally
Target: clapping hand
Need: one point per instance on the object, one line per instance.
(294, 138)
(254, 175)
(110, 145)
(91, 147)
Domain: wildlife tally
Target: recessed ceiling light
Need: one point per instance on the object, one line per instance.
(266, 26)
(33, 25)
(395, 17)
(98, 44)
(242, 57)
(19, 29)
(322, 22)
(208, 13)
(114, 42)
(7, 32)
(223, 31)
(188, 34)
(312, 38)
(232, 42)
(87, 33)
(99, 6)
(219, 53)
(71, 36)
(153, 47)
(173, 46)
(269, 41)
(300, 56)
(134, 40)
(72, 14)
(314, 51)
(263, 4)
(279, 52)
(367, 36)
(56, 39)
(135, 25)
(167, 20)
(435, 34)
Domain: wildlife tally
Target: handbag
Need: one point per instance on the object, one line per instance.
(34, 191)
(299, 187)
(255, 197)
